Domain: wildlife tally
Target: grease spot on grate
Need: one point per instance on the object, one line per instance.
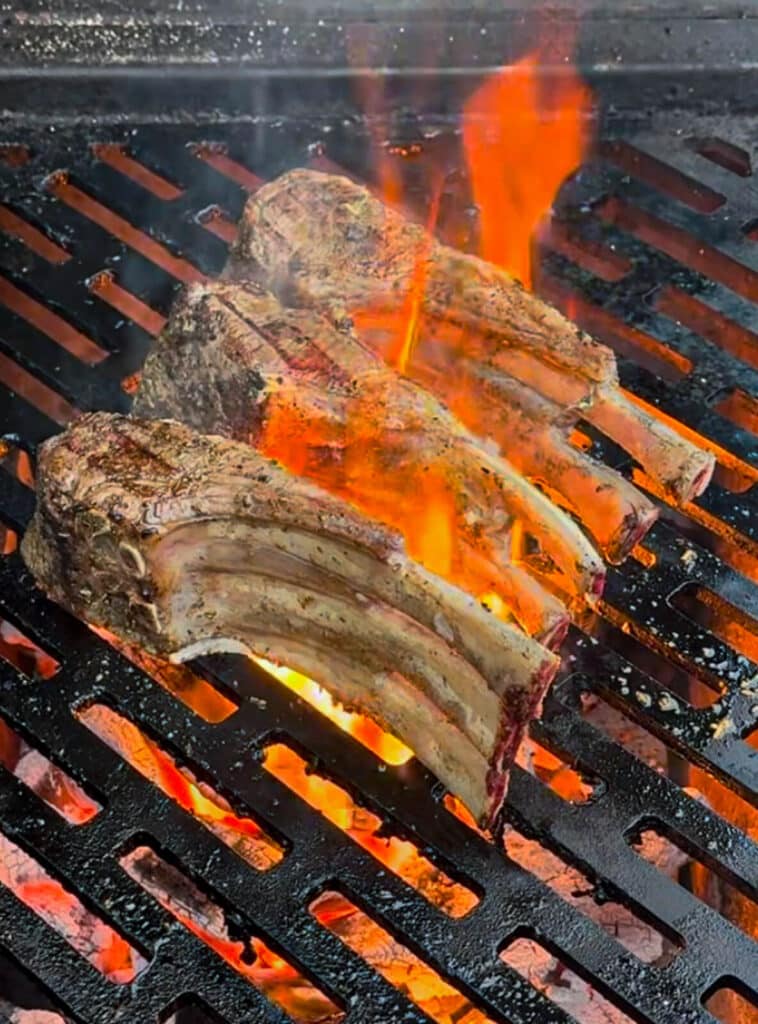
(45, 779)
(368, 831)
(62, 910)
(415, 979)
(667, 179)
(549, 972)
(230, 938)
(241, 834)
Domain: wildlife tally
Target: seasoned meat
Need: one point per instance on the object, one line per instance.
(231, 360)
(188, 544)
(323, 241)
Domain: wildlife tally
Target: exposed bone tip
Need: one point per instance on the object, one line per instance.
(595, 587)
(700, 472)
(632, 531)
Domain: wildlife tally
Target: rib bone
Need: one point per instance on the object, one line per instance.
(187, 544)
(323, 241)
(231, 360)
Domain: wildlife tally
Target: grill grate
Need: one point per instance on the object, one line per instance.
(667, 272)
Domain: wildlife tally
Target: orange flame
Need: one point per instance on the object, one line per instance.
(366, 829)
(521, 142)
(146, 756)
(384, 745)
(410, 312)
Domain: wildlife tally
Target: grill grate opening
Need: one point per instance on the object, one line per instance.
(553, 769)
(198, 798)
(672, 288)
(725, 154)
(230, 937)
(649, 940)
(731, 1001)
(20, 651)
(370, 735)
(649, 835)
(548, 971)
(190, 1009)
(641, 652)
(59, 907)
(395, 962)
(21, 991)
(400, 856)
(740, 408)
(44, 778)
(721, 618)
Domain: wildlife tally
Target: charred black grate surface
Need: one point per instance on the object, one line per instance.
(668, 254)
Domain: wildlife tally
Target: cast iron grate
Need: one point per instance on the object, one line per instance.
(667, 272)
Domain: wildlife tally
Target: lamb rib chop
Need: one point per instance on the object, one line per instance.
(188, 544)
(231, 360)
(324, 241)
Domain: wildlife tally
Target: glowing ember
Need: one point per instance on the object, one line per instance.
(251, 957)
(395, 962)
(522, 140)
(47, 780)
(365, 828)
(61, 909)
(242, 835)
(22, 652)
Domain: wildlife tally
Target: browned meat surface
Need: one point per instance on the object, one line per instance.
(232, 361)
(187, 544)
(323, 241)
